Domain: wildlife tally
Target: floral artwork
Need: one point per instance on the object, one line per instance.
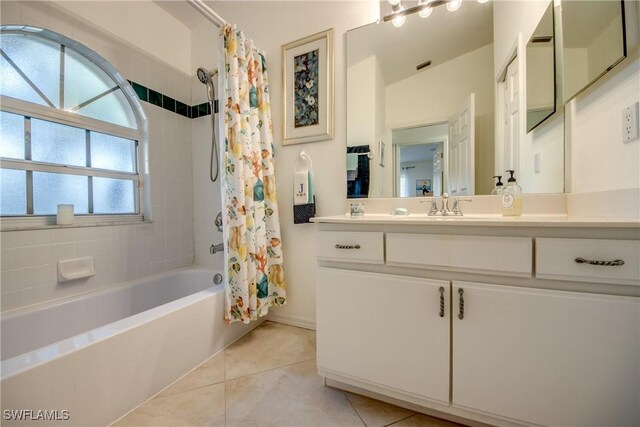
(253, 249)
(305, 82)
(307, 73)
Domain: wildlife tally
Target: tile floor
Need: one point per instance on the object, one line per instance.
(267, 378)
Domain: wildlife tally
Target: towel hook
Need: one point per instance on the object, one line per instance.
(303, 162)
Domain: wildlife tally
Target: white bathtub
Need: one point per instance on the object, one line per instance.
(100, 355)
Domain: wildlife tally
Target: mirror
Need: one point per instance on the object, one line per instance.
(593, 42)
(419, 156)
(402, 83)
(541, 83)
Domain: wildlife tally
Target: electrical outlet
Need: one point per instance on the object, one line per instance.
(630, 123)
(536, 163)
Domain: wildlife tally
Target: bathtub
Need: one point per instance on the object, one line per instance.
(89, 360)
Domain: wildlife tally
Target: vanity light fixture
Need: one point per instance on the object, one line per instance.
(424, 8)
(400, 17)
(454, 5)
(427, 10)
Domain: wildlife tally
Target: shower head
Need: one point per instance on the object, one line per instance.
(204, 76)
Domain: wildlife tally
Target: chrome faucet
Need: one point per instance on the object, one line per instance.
(444, 210)
(216, 248)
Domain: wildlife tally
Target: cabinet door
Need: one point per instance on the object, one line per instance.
(384, 330)
(547, 357)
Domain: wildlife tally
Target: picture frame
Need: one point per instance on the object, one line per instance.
(307, 89)
(381, 152)
(423, 188)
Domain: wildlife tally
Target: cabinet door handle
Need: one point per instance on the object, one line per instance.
(461, 304)
(614, 263)
(441, 301)
(338, 246)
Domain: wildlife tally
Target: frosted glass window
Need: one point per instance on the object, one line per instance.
(13, 192)
(39, 59)
(56, 143)
(111, 152)
(51, 189)
(113, 108)
(11, 136)
(83, 80)
(15, 86)
(112, 196)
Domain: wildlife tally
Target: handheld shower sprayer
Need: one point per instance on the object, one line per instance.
(206, 78)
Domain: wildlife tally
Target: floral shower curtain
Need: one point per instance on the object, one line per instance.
(253, 252)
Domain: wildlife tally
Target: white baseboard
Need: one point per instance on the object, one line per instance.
(286, 319)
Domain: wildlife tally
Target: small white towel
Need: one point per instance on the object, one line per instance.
(301, 188)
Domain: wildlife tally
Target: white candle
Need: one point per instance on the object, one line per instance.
(65, 215)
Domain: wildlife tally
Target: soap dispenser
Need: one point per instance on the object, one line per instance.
(511, 197)
(497, 190)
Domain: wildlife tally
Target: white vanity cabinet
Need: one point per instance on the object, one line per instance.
(546, 357)
(532, 343)
(388, 331)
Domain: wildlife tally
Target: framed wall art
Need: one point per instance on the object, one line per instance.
(307, 82)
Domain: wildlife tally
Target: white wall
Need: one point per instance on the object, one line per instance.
(272, 24)
(510, 18)
(122, 252)
(205, 52)
(419, 171)
(450, 84)
(361, 109)
(141, 23)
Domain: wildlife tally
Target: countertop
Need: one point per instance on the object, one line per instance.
(492, 220)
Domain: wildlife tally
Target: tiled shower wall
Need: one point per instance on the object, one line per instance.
(122, 253)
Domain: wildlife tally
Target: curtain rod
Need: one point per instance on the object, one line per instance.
(208, 13)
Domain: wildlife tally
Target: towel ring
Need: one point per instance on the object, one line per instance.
(302, 162)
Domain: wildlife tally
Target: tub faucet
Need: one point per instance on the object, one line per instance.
(216, 248)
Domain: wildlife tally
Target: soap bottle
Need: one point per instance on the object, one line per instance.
(512, 197)
(497, 190)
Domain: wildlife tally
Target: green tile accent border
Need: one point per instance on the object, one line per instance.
(163, 101)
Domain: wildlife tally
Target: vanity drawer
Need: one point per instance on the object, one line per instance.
(556, 259)
(512, 256)
(351, 246)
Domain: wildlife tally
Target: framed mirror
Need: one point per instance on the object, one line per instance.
(541, 71)
(593, 37)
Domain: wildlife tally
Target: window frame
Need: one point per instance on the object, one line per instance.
(55, 115)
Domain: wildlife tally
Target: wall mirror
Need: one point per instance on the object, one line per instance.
(593, 42)
(439, 72)
(541, 82)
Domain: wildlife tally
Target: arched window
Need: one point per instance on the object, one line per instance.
(70, 129)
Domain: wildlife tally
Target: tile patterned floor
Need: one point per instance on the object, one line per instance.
(267, 378)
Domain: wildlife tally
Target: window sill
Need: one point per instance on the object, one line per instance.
(48, 222)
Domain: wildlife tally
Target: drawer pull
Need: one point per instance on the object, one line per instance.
(347, 246)
(441, 301)
(461, 304)
(614, 263)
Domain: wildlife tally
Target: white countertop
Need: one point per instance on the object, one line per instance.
(492, 220)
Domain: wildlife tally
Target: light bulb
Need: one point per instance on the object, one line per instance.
(454, 5)
(425, 12)
(482, 1)
(399, 21)
(393, 2)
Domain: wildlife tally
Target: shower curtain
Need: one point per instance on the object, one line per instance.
(253, 250)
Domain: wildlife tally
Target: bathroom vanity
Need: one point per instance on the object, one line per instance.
(529, 320)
